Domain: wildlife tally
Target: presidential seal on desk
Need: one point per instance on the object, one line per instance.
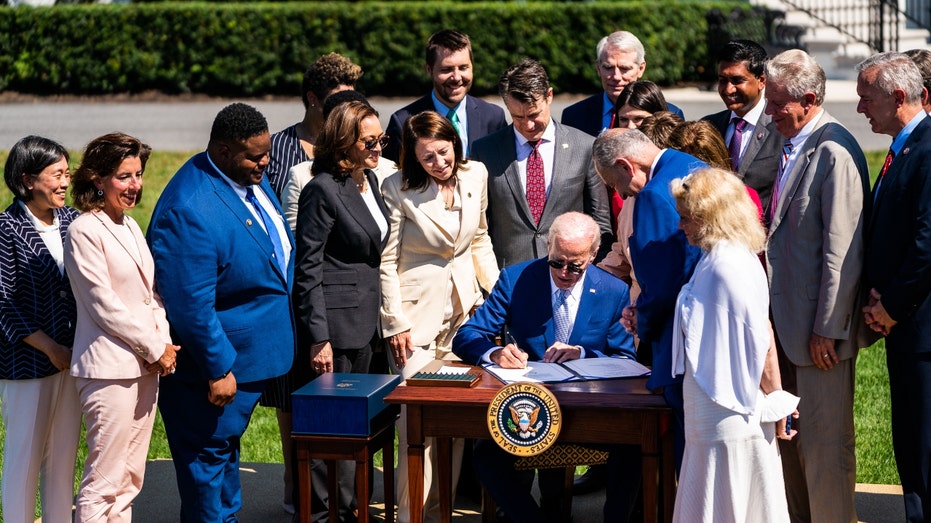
(524, 418)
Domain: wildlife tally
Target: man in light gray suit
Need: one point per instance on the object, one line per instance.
(815, 257)
(537, 170)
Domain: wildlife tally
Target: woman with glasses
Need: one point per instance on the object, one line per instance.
(342, 229)
(38, 400)
(437, 261)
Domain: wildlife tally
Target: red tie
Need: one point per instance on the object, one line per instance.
(886, 164)
(536, 184)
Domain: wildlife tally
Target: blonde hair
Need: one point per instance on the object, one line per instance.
(717, 201)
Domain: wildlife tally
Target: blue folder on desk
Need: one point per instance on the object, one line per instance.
(340, 404)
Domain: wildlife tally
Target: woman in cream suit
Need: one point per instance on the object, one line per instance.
(434, 266)
(121, 342)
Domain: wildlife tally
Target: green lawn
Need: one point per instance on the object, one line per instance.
(875, 462)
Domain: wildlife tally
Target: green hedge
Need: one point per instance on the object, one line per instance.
(260, 49)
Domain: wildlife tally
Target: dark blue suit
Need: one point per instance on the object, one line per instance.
(898, 250)
(586, 115)
(522, 301)
(483, 118)
(34, 295)
(229, 307)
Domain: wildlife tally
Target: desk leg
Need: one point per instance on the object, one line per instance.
(362, 489)
(444, 459)
(387, 457)
(649, 446)
(303, 471)
(415, 461)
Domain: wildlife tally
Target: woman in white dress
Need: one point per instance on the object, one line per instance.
(731, 471)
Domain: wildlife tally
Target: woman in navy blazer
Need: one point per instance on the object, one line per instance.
(342, 228)
(38, 401)
(121, 342)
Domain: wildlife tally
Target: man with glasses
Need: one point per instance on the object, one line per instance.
(660, 254)
(554, 309)
(619, 60)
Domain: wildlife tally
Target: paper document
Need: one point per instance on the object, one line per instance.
(577, 370)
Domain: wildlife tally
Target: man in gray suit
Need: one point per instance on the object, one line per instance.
(537, 170)
(815, 257)
(752, 141)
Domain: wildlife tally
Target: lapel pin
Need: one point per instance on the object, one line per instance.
(591, 291)
(248, 222)
(759, 135)
(906, 150)
(565, 146)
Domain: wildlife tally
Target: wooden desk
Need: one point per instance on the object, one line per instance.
(612, 411)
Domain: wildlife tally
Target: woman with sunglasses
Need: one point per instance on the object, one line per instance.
(438, 260)
(342, 228)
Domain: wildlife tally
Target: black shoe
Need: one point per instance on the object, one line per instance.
(592, 481)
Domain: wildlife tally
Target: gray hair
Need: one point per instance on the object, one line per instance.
(619, 143)
(799, 73)
(574, 226)
(896, 71)
(622, 40)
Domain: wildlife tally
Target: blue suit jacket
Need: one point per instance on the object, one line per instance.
(34, 295)
(585, 115)
(522, 302)
(227, 301)
(663, 259)
(483, 119)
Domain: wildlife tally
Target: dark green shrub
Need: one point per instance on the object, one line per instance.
(262, 48)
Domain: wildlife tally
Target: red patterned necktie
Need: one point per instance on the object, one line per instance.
(887, 163)
(536, 184)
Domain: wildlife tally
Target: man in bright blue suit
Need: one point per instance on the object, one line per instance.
(223, 265)
(660, 254)
(555, 309)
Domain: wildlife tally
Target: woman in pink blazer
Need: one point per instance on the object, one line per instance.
(121, 342)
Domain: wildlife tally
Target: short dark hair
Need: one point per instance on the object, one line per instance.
(747, 52)
(526, 81)
(643, 95)
(327, 73)
(102, 157)
(430, 125)
(237, 123)
(31, 156)
(340, 98)
(448, 39)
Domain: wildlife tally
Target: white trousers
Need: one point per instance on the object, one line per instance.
(43, 424)
(431, 493)
(119, 415)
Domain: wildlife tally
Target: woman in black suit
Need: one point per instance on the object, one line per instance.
(342, 228)
(38, 399)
